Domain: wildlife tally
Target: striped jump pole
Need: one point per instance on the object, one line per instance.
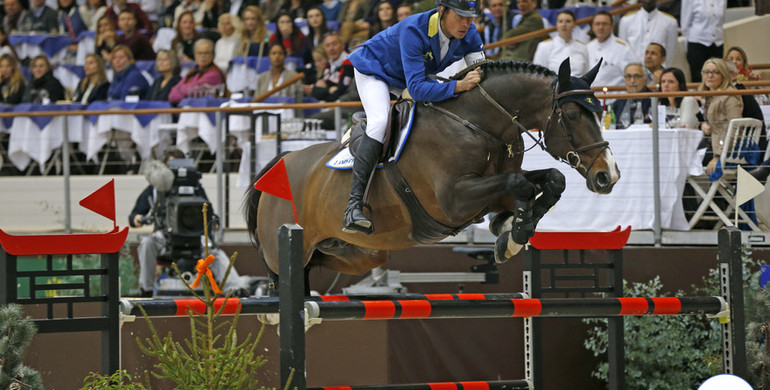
(268, 305)
(479, 385)
(584, 307)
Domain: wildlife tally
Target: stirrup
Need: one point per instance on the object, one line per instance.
(360, 225)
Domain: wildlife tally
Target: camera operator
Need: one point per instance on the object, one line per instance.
(145, 211)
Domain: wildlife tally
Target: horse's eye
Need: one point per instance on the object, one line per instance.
(573, 115)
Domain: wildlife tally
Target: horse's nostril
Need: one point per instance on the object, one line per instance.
(603, 179)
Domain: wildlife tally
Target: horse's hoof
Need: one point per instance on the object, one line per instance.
(506, 248)
(500, 223)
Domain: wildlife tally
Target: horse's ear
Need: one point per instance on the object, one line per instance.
(564, 72)
(591, 75)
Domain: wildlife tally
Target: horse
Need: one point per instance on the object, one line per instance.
(462, 160)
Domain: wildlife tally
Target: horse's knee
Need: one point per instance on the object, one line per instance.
(556, 181)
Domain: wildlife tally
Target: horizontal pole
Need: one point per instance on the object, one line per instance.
(575, 307)
(265, 305)
(475, 385)
(645, 95)
(652, 87)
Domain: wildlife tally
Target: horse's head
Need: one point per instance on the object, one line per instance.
(574, 134)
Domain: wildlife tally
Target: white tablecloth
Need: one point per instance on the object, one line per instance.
(145, 137)
(29, 142)
(631, 200)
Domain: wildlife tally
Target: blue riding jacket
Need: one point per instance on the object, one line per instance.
(404, 54)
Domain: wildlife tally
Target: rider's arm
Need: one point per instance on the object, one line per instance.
(415, 47)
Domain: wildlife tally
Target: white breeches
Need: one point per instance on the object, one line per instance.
(375, 96)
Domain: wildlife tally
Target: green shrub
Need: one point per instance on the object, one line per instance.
(16, 333)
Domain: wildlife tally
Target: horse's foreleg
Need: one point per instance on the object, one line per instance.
(550, 184)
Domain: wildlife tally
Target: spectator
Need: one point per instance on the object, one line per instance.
(70, 21)
(633, 111)
(314, 71)
(138, 43)
(654, 57)
(681, 111)
(384, 18)
(287, 33)
(186, 36)
(106, 38)
(43, 85)
(352, 21)
(551, 52)
(404, 10)
(316, 23)
(17, 20)
(195, 7)
(143, 23)
(530, 21)
(205, 79)
(491, 26)
(616, 53)
(94, 85)
(5, 45)
(43, 18)
(12, 83)
(340, 72)
(737, 56)
(702, 22)
(648, 25)
(167, 64)
(737, 62)
(331, 9)
(297, 9)
(254, 32)
(278, 74)
(92, 11)
(718, 110)
(127, 79)
(227, 46)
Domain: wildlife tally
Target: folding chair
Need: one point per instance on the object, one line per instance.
(742, 135)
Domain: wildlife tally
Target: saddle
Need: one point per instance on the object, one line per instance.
(399, 116)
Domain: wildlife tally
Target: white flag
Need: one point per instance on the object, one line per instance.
(748, 187)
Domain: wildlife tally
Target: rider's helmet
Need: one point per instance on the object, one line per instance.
(464, 8)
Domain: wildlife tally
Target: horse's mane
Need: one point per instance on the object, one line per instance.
(507, 66)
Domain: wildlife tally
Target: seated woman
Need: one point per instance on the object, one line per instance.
(43, 85)
(384, 18)
(288, 34)
(278, 74)
(186, 35)
(254, 33)
(738, 63)
(551, 52)
(128, 79)
(167, 64)
(12, 82)
(227, 46)
(94, 85)
(205, 79)
(106, 38)
(718, 110)
(317, 28)
(673, 80)
(737, 56)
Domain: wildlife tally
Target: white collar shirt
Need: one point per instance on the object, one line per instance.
(616, 54)
(641, 28)
(703, 21)
(551, 52)
(444, 40)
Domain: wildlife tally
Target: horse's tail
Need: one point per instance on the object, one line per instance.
(251, 201)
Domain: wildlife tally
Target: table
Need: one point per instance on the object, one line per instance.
(631, 200)
(53, 46)
(35, 138)
(143, 129)
(243, 72)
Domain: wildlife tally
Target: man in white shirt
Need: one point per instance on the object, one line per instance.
(702, 28)
(616, 52)
(648, 25)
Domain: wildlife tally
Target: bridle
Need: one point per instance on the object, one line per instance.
(573, 156)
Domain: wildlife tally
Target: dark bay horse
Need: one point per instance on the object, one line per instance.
(462, 160)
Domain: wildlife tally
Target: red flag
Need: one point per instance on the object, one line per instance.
(102, 201)
(276, 182)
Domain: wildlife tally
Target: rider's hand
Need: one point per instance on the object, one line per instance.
(469, 81)
(138, 220)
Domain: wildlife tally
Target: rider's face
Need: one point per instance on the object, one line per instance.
(454, 25)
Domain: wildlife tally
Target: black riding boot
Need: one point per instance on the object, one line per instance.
(366, 159)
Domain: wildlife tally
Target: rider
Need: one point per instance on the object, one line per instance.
(402, 56)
